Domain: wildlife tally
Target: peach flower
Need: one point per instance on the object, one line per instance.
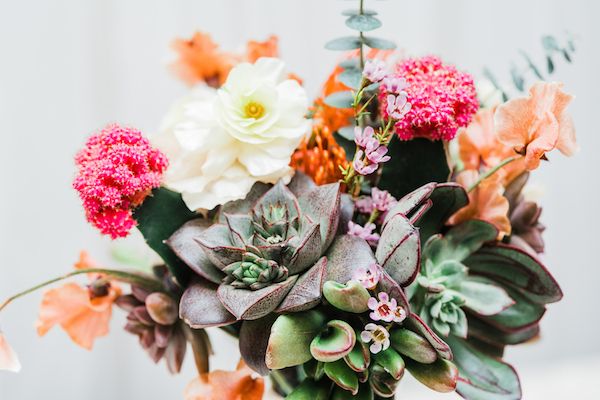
(256, 50)
(479, 147)
(83, 315)
(8, 358)
(486, 202)
(241, 384)
(537, 124)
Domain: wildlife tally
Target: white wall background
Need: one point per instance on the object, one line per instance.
(69, 67)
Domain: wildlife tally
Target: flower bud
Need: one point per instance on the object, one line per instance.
(162, 308)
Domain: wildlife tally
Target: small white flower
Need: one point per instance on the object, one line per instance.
(374, 70)
(378, 335)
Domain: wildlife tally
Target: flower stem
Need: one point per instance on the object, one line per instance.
(135, 278)
(492, 171)
(362, 37)
(282, 382)
(373, 216)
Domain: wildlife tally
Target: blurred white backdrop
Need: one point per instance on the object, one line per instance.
(69, 67)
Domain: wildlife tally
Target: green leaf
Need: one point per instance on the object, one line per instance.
(484, 297)
(291, 335)
(344, 43)
(311, 390)
(522, 314)
(347, 133)
(413, 345)
(343, 99)
(333, 343)
(351, 77)
(483, 377)
(391, 361)
(359, 358)
(342, 375)
(440, 376)
(363, 23)
(351, 297)
(399, 248)
(549, 64)
(364, 393)
(550, 43)
(492, 78)
(566, 55)
(532, 66)
(159, 216)
(351, 63)
(517, 78)
(377, 43)
(349, 13)
(447, 198)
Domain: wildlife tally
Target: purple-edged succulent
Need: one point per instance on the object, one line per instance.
(524, 217)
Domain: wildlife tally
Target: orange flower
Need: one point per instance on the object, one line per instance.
(479, 147)
(538, 123)
(200, 60)
(226, 385)
(320, 157)
(256, 50)
(8, 358)
(82, 314)
(486, 202)
(331, 117)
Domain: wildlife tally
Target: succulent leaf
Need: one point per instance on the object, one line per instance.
(254, 272)
(311, 390)
(218, 247)
(364, 393)
(350, 297)
(394, 291)
(244, 206)
(200, 307)
(447, 198)
(411, 201)
(359, 357)
(308, 250)
(413, 345)
(339, 372)
(391, 361)
(522, 314)
(253, 341)
(314, 369)
(334, 342)
(346, 213)
(279, 197)
(346, 256)
(322, 205)
(460, 241)
(383, 384)
(416, 324)
(399, 250)
(307, 291)
(484, 297)
(241, 229)
(441, 376)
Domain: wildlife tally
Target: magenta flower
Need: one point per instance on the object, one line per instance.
(377, 335)
(382, 200)
(117, 169)
(397, 105)
(374, 70)
(364, 232)
(368, 276)
(361, 166)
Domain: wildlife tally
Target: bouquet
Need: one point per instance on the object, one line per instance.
(384, 227)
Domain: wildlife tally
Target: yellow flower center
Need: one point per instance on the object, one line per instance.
(254, 110)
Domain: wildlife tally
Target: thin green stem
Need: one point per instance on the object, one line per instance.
(282, 382)
(135, 278)
(492, 171)
(362, 37)
(374, 215)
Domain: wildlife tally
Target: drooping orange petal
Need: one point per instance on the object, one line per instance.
(8, 358)
(486, 202)
(241, 384)
(268, 48)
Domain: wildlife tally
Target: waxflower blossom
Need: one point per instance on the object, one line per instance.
(374, 70)
(385, 309)
(442, 99)
(393, 84)
(361, 166)
(368, 276)
(378, 335)
(117, 169)
(380, 200)
(364, 232)
(370, 151)
(397, 106)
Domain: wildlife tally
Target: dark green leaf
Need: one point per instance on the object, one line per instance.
(522, 314)
(340, 373)
(566, 55)
(496, 338)
(363, 23)
(377, 43)
(340, 99)
(159, 216)
(447, 198)
(549, 64)
(349, 13)
(550, 44)
(532, 66)
(517, 78)
(344, 43)
(351, 77)
(311, 390)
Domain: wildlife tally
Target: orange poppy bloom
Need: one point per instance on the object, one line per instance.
(241, 384)
(8, 358)
(537, 124)
(479, 147)
(486, 202)
(256, 50)
(81, 314)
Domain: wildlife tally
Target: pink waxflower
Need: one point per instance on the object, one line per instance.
(397, 105)
(376, 152)
(362, 137)
(361, 166)
(364, 205)
(368, 276)
(117, 169)
(442, 99)
(364, 232)
(382, 200)
(377, 335)
(375, 70)
(385, 309)
(393, 84)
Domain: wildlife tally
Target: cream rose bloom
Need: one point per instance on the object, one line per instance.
(220, 142)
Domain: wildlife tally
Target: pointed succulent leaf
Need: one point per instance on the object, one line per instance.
(350, 297)
(514, 267)
(244, 206)
(279, 194)
(447, 198)
(314, 369)
(383, 384)
(186, 248)
(253, 341)
(175, 352)
(413, 345)
(339, 372)
(218, 247)
(399, 250)
(346, 256)
(311, 390)
(522, 314)
(307, 291)
(394, 291)
(254, 304)
(301, 183)
(322, 205)
(418, 214)
(308, 250)
(486, 332)
(346, 213)
(334, 342)
(391, 361)
(241, 229)
(291, 336)
(411, 201)
(416, 324)
(359, 358)
(364, 393)
(441, 376)
(482, 376)
(200, 307)
(460, 241)
(484, 297)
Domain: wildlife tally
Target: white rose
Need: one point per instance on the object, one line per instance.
(220, 142)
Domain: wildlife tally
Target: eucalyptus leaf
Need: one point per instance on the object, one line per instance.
(347, 133)
(532, 65)
(349, 13)
(363, 23)
(344, 43)
(343, 99)
(351, 77)
(351, 63)
(517, 78)
(549, 64)
(377, 43)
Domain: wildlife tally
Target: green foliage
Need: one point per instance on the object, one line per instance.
(363, 23)
(378, 43)
(340, 99)
(344, 43)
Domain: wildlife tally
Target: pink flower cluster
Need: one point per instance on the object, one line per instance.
(364, 232)
(117, 169)
(380, 200)
(369, 153)
(442, 99)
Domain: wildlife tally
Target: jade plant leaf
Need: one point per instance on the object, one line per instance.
(359, 358)
(291, 336)
(159, 216)
(339, 372)
(441, 376)
(399, 250)
(413, 345)
(334, 342)
(364, 393)
(350, 297)
(391, 361)
(416, 324)
(311, 390)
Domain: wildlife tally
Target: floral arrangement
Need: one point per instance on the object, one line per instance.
(383, 228)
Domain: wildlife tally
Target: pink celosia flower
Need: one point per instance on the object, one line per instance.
(397, 106)
(442, 99)
(393, 84)
(368, 276)
(382, 199)
(364, 232)
(378, 335)
(385, 309)
(361, 166)
(117, 169)
(374, 70)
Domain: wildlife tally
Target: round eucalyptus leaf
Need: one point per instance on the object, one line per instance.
(344, 43)
(377, 43)
(349, 13)
(343, 99)
(363, 23)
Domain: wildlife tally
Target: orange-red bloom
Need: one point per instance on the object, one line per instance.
(479, 147)
(81, 314)
(241, 384)
(331, 117)
(8, 358)
(256, 50)
(486, 202)
(320, 157)
(537, 124)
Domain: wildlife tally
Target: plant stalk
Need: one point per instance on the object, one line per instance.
(492, 171)
(282, 382)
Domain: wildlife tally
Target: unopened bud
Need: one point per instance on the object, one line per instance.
(162, 308)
